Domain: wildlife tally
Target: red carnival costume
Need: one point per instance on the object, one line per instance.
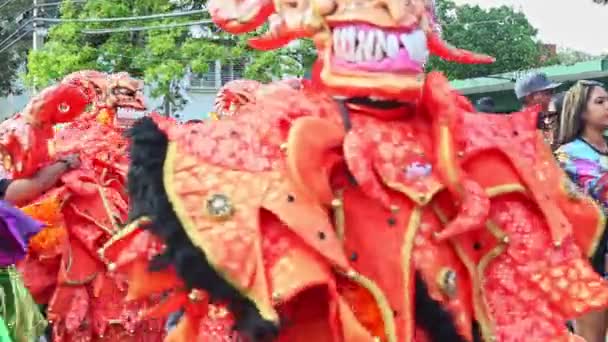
(396, 214)
(63, 268)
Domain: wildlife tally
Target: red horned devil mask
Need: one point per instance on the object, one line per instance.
(366, 48)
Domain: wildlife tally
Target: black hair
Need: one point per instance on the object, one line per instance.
(485, 105)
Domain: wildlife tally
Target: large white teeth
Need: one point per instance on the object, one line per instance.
(359, 54)
(368, 46)
(392, 45)
(380, 49)
(416, 45)
(337, 42)
(351, 43)
(360, 45)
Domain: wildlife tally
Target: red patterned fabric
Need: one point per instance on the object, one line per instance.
(63, 269)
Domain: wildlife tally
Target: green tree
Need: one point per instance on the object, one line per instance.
(571, 56)
(161, 56)
(11, 59)
(500, 32)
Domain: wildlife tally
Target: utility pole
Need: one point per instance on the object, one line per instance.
(38, 34)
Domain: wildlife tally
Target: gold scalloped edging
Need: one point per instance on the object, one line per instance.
(267, 312)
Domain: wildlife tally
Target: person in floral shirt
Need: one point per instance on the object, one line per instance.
(583, 154)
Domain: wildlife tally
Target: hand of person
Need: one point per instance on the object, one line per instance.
(72, 161)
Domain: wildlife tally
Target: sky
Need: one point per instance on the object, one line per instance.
(577, 24)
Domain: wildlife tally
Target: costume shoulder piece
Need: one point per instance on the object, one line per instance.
(513, 144)
(213, 189)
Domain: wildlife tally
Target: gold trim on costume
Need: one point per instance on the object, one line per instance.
(447, 159)
(339, 218)
(419, 198)
(106, 206)
(503, 189)
(127, 230)
(476, 272)
(385, 309)
(68, 267)
(266, 310)
(406, 257)
(101, 226)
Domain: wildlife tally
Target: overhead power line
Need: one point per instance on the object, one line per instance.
(6, 3)
(118, 19)
(58, 3)
(9, 45)
(15, 32)
(145, 28)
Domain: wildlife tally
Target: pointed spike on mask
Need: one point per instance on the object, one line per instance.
(240, 16)
(278, 35)
(440, 48)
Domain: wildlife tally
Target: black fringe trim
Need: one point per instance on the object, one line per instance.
(435, 320)
(149, 198)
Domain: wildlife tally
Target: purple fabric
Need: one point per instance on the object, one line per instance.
(16, 229)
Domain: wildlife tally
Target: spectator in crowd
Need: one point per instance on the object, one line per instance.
(19, 311)
(584, 156)
(535, 89)
(485, 105)
(548, 122)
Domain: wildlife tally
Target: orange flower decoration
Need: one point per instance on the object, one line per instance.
(47, 211)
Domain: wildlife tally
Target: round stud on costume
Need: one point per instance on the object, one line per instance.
(394, 208)
(276, 296)
(283, 147)
(448, 282)
(195, 295)
(336, 203)
(219, 206)
(111, 267)
(64, 108)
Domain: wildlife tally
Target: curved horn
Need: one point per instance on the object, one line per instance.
(240, 16)
(289, 23)
(278, 35)
(440, 48)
